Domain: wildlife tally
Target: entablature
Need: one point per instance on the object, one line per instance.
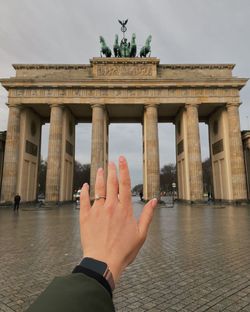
(128, 84)
(122, 92)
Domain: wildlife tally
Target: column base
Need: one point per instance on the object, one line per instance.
(237, 202)
(159, 201)
(6, 204)
(21, 205)
(191, 202)
(50, 204)
(205, 202)
(54, 204)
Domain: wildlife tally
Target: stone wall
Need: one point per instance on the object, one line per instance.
(2, 148)
(246, 149)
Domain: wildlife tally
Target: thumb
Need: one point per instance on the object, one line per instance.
(146, 217)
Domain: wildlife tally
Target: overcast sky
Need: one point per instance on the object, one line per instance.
(184, 31)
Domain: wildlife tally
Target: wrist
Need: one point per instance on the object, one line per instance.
(100, 267)
(115, 269)
(113, 266)
(92, 274)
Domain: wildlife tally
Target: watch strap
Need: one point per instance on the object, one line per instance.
(98, 277)
(99, 267)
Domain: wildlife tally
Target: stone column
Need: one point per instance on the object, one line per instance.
(246, 153)
(236, 153)
(151, 175)
(98, 142)
(2, 148)
(67, 156)
(11, 157)
(54, 154)
(194, 153)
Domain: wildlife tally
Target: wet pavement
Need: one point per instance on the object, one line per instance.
(196, 258)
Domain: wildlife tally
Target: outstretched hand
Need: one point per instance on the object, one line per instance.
(109, 230)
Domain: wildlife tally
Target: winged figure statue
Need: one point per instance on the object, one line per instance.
(123, 23)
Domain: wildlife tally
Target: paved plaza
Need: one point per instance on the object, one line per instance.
(195, 259)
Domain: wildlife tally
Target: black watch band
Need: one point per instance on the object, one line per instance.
(99, 278)
(98, 270)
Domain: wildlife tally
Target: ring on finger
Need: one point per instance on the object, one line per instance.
(97, 197)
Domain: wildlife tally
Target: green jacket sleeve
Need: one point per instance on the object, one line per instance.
(73, 293)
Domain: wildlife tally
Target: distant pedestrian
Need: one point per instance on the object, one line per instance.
(141, 195)
(17, 200)
(209, 196)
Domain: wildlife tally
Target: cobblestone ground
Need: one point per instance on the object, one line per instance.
(195, 259)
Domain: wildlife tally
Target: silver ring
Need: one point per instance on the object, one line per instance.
(97, 197)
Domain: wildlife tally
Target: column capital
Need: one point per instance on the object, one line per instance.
(56, 105)
(98, 105)
(191, 104)
(154, 105)
(13, 105)
(233, 104)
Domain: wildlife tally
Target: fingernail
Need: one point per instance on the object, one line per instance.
(122, 159)
(100, 170)
(154, 201)
(111, 163)
(85, 185)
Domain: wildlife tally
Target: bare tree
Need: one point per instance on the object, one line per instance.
(207, 176)
(42, 177)
(167, 177)
(81, 175)
(137, 188)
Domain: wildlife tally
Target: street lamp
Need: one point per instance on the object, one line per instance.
(173, 190)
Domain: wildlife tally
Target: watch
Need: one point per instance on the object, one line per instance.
(99, 267)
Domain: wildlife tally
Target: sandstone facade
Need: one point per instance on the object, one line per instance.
(123, 90)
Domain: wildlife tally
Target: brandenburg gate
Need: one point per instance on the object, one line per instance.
(123, 89)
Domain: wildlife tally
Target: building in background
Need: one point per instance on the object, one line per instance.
(111, 90)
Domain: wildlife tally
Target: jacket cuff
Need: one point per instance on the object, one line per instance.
(98, 277)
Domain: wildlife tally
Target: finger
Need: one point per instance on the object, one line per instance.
(146, 217)
(112, 184)
(100, 187)
(84, 201)
(124, 184)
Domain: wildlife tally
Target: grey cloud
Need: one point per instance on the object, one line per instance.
(65, 31)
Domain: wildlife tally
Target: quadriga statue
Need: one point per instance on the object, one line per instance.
(105, 50)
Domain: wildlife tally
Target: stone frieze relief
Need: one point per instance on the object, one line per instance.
(113, 92)
(121, 71)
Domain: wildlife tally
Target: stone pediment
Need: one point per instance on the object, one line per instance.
(122, 68)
